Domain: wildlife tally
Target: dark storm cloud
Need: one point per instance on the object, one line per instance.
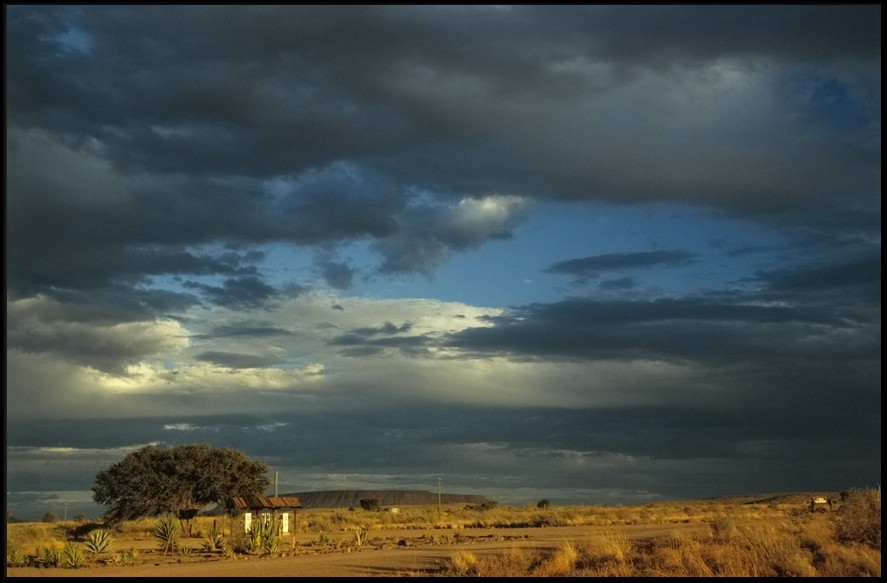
(429, 232)
(137, 131)
(601, 264)
(76, 223)
(356, 84)
(251, 329)
(693, 329)
(617, 284)
(233, 293)
(236, 360)
(386, 329)
(478, 448)
(373, 341)
(44, 326)
(337, 274)
(113, 304)
(854, 271)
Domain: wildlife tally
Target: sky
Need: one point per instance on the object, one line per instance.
(593, 254)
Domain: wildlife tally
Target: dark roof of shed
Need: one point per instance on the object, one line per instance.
(263, 502)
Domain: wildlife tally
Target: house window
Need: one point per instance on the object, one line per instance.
(285, 522)
(247, 521)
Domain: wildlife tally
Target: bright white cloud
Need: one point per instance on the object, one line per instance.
(203, 377)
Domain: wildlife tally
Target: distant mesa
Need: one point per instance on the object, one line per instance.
(352, 498)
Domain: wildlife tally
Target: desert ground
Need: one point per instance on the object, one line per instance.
(416, 556)
(761, 536)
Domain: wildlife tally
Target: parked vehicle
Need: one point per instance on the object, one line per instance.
(820, 504)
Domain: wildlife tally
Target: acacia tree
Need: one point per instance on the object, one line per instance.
(180, 480)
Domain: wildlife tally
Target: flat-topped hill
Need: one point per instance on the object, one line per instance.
(352, 498)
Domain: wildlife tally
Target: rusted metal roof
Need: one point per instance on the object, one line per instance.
(264, 502)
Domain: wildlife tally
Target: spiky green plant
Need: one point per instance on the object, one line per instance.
(168, 531)
(72, 556)
(265, 538)
(99, 541)
(361, 537)
(214, 540)
(50, 556)
(17, 558)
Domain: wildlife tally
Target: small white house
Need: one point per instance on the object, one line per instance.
(265, 508)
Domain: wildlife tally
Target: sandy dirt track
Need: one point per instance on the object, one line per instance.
(370, 561)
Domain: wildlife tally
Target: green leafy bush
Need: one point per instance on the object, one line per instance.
(370, 504)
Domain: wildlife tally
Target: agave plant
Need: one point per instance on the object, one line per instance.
(214, 541)
(72, 556)
(99, 541)
(168, 531)
(50, 556)
(265, 539)
(361, 537)
(17, 558)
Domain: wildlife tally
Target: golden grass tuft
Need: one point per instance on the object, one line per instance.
(561, 562)
(463, 564)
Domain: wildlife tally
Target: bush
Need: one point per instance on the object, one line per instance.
(126, 558)
(860, 518)
(50, 517)
(370, 504)
(544, 503)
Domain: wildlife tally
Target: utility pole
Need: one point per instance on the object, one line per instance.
(439, 511)
(65, 519)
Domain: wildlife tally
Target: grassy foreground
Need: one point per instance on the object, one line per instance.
(756, 537)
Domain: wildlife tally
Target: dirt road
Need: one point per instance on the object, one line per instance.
(390, 553)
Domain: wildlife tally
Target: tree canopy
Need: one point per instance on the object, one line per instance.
(180, 480)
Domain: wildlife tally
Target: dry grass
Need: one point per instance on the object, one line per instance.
(765, 539)
(747, 537)
(861, 518)
(30, 536)
(804, 546)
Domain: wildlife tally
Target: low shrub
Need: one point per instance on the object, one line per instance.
(860, 518)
